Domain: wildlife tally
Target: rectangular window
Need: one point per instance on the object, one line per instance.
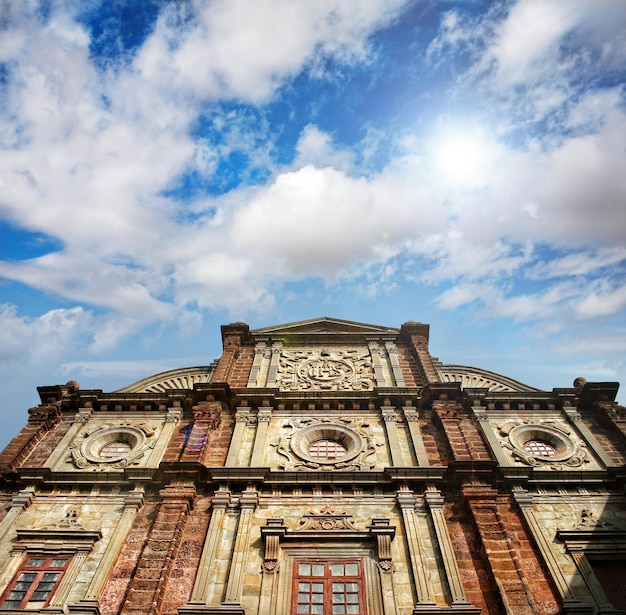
(333, 587)
(34, 583)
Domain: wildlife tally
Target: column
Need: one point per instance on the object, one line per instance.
(412, 418)
(81, 417)
(377, 364)
(200, 593)
(407, 500)
(241, 420)
(434, 499)
(272, 532)
(134, 501)
(483, 419)
(259, 354)
(234, 588)
(263, 420)
(525, 502)
(575, 419)
(69, 578)
(277, 349)
(170, 422)
(18, 503)
(391, 427)
(392, 351)
(385, 532)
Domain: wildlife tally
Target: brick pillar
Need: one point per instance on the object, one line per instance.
(233, 337)
(612, 416)
(464, 439)
(154, 567)
(416, 334)
(207, 418)
(41, 419)
(522, 585)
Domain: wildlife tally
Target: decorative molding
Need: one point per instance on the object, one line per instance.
(355, 435)
(139, 437)
(475, 378)
(567, 451)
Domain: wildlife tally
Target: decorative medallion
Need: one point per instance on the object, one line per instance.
(325, 369)
(323, 444)
(112, 446)
(543, 444)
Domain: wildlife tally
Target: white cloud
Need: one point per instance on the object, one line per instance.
(240, 50)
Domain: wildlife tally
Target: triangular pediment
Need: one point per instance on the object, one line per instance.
(324, 326)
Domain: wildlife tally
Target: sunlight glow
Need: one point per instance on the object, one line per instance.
(462, 159)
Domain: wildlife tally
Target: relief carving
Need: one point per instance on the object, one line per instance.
(354, 438)
(325, 369)
(547, 444)
(107, 446)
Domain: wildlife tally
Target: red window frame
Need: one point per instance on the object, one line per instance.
(38, 577)
(331, 587)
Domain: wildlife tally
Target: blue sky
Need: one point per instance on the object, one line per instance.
(166, 168)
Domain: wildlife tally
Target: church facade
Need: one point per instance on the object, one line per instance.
(318, 467)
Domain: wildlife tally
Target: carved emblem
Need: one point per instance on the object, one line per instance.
(561, 449)
(326, 520)
(332, 370)
(108, 446)
(355, 436)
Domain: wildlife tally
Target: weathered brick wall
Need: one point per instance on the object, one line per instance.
(611, 440)
(408, 365)
(47, 444)
(118, 586)
(612, 418)
(435, 441)
(464, 439)
(41, 419)
(180, 583)
(151, 575)
(510, 560)
(479, 585)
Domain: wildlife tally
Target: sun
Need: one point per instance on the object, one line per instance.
(461, 159)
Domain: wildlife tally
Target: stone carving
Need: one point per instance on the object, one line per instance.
(587, 520)
(355, 436)
(325, 369)
(326, 520)
(567, 452)
(137, 439)
(208, 414)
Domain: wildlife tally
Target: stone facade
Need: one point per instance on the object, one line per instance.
(324, 466)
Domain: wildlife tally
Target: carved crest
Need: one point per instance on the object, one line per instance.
(325, 369)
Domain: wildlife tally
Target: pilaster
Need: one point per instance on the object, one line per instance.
(391, 427)
(407, 501)
(234, 588)
(241, 421)
(264, 416)
(134, 501)
(435, 500)
(412, 418)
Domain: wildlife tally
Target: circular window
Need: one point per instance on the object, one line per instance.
(326, 443)
(327, 449)
(542, 448)
(115, 449)
(112, 444)
(542, 443)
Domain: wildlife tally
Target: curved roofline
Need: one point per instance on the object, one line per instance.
(180, 378)
(474, 377)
